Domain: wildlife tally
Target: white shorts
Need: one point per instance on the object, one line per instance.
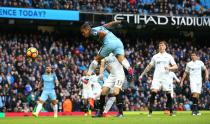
(86, 94)
(159, 84)
(96, 94)
(112, 82)
(195, 86)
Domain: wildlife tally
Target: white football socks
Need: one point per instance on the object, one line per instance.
(125, 63)
(38, 108)
(55, 109)
(109, 104)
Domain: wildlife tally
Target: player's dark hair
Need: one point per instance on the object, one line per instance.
(164, 42)
(194, 52)
(48, 65)
(85, 25)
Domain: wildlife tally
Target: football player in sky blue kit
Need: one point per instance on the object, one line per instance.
(49, 81)
(110, 44)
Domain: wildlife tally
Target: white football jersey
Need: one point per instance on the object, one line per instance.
(116, 69)
(194, 68)
(160, 61)
(91, 80)
(96, 85)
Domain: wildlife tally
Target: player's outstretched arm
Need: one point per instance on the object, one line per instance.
(101, 69)
(94, 65)
(147, 69)
(110, 24)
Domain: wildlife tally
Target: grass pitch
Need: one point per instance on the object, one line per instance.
(130, 118)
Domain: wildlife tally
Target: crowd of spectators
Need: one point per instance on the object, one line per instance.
(69, 57)
(169, 7)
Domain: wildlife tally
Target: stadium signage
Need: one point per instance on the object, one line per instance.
(25, 13)
(164, 20)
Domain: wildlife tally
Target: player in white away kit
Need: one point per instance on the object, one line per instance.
(169, 86)
(115, 81)
(91, 90)
(163, 63)
(194, 69)
(171, 78)
(91, 93)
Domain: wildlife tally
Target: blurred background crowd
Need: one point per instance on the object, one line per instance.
(19, 76)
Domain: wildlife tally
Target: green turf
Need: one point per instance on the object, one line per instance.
(130, 118)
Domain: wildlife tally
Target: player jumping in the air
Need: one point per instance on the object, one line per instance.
(194, 69)
(49, 81)
(164, 63)
(110, 44)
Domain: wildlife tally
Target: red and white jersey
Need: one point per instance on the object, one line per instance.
(89, 80)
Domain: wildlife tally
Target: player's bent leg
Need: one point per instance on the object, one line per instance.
(169, 103)
(152, 99)
(104, 92)
(116, 91)
(109, 104)
(38, 108)
(85, 108)
(96, 99)
(94, 64)
(91, 102)
(195, 97)
(119, 100)
(121, 58)
(43, 98)
(96, 105)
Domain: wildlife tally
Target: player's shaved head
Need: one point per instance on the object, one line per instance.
(85, 30)
(85, 26)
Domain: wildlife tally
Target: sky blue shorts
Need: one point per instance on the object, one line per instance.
(114, 46)
(48, 94)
